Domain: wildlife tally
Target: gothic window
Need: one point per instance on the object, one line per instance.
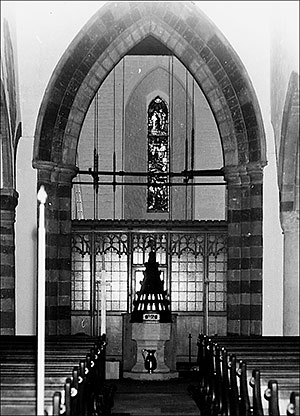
(158, 156)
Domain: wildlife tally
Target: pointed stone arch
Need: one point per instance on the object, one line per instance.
(108, 36)
(289, 148)
(112, 32)
(288, 178)
(8, 203)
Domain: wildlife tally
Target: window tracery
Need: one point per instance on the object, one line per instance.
(186, 259)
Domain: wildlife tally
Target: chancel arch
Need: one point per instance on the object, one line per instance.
(110, 35)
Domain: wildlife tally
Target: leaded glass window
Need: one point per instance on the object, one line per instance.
(158, 156)
(116, 280)
(217, 268)
(190, 252)
(188, 263)
(81, 273)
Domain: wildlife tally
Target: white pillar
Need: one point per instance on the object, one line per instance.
(42, 197)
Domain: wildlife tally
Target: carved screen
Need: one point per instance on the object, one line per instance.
(158, 156)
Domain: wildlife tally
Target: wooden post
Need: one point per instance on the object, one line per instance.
(103, 298)
(98, 301)
(205, 288)
(42, 197)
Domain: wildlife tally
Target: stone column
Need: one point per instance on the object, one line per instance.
(290, 226)
(234, 244)
(58, 185)
(8, 203)
(245, 250)
(255, 237)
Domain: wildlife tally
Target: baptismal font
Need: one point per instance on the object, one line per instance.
(152, 327)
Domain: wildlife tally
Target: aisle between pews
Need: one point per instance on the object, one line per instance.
(141, 398)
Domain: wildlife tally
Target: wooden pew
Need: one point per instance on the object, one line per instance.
(276, 358)
(245, 407)
(57, 406)
(293, 408)
(224, 411)
(222, 388)
(257, 407)
(86, 393)
(18, 369)
(234, 404)
(271, 395)
(215, 393)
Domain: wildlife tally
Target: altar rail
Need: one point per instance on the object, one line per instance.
(222, 387)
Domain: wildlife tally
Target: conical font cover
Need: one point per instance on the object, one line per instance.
(152, 298)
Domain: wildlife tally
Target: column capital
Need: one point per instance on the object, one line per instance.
(232, 175)
(256, 171)
(243, 174)
(49, 172)
(8, 199)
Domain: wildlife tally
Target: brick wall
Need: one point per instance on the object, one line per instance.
(8, 203)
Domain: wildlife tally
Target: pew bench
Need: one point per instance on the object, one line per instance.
(85, 392)
(19, 366)
(223, 388)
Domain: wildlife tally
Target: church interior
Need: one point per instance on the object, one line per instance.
(149, 200)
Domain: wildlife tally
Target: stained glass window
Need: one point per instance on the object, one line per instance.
(158, 156)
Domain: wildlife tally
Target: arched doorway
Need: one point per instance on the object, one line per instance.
(109, 35)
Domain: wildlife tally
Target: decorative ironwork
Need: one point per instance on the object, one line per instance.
(81, 277)
(186, 260)
(217, 243)
(144, 243)
(183, 243)
(152, 242)
(116, 243)
(187, 254)
(217, 267)
(158, 156)
(81, 244)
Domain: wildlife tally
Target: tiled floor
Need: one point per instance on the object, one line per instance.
(141, 398)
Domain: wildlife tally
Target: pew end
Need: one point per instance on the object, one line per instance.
(293, 408)
(271, 395)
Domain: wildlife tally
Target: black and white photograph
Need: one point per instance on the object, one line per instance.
(149, 208)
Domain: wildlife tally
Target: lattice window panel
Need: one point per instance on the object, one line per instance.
(217, 268)
(116, 280)
(187, 283)
(81, 282)
(143, 243)
(191, 255)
